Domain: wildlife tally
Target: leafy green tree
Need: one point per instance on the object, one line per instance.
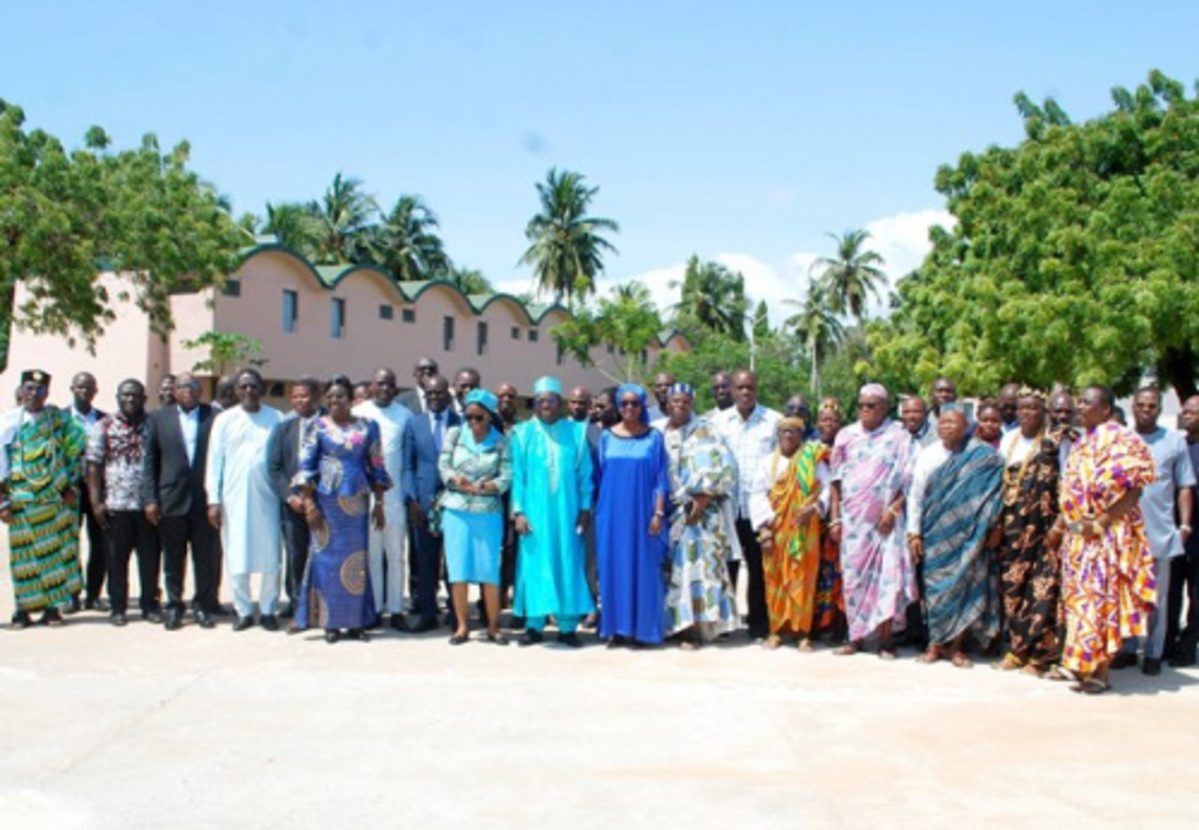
(406, 243)
(817, 327)
(468, 280)
(343, 213)
(760, 321)
(227, 351)
(626, 320)
(567, 245)
(66, 215)
(1074, 259)
(852, 275)
(712, 299)
(295, 225)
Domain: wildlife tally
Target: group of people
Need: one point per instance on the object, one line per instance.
(1039, 531)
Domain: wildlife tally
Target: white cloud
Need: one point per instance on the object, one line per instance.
(901, 239)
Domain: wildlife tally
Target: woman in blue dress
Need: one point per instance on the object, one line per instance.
(341, 464)
(631, 533)
(476, 469)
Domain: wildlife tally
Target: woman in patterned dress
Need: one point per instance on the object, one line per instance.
(341, 464)
(1108, 588)
(700, 603)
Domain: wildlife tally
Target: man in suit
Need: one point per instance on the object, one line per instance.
(414, 398)
(175, 502)
(421, 488)
(283, 460)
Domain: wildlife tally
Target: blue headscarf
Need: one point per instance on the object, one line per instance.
(633, 389)
(487, 400)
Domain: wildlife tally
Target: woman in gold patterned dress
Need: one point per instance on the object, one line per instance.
(341, 464)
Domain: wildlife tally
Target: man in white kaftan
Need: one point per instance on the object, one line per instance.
(242, 505)
(387, 545)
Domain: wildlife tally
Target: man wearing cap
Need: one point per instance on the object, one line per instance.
(551, 511)
(870, 464)
(386, 546)
(41, 449)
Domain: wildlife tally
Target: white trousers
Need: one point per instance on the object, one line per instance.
(268, 594)
(388, 544)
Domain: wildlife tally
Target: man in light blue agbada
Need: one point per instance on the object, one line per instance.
(551, 511)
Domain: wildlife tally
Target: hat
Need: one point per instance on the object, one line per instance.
(483, 398)
(547, 386)
(683, 389)
(35, 376)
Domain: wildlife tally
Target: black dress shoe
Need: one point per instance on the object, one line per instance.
(571, 639)
(152, 616)
(357, 634)
(332, 635)
(424, 625)
(118, 620)
(269, 622)
(90, 604)
(174, 620)
(21, 619)
(1151, 667)
(243, 623)
(222, 611)
(531, 637)
(377, 622)
(74, 606)
(398, 623)
(52, 617)
(1123, 660)
(288, 611)
(205, 620)
(1181, 661)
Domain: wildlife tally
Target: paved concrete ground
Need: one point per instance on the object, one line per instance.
(101, 727)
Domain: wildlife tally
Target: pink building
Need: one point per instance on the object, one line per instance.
(322, 320)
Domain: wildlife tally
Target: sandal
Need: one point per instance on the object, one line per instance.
(1090, 686)
(805, 645)
(931, 655)
(847, 650)
(498, 638)
(1010, 662)
(887, 653)
(53, 618)
(1061, 674)
(688, 645)
(960, 660)
(772, 642)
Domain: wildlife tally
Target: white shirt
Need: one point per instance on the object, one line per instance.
(189, 425)
(768, 472)
(393, 420)
(927, 461)
(751, 439)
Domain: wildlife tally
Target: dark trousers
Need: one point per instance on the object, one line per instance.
(751, 555)
(128, 531)
(917, 626)
(428, 571)
(295, 547)
(177, 533)
(97, 556)
(1184, 577)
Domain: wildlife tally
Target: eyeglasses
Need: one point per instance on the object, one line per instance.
(868, 404)
(476, 419)
(630, 404)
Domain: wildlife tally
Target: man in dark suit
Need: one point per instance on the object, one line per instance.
(174, 499)
(428, 432)
(283, 459)
(414, 398)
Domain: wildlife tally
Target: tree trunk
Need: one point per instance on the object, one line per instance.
(1176, 368)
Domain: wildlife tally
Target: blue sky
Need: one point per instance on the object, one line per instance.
(739, 131)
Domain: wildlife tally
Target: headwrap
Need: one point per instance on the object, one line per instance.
(633, 389)
(831, 405)
(547, 386)
(683, 389)
(791, 422)
(35, 376)
(482, 398)
(874, 390)
(1030, 392)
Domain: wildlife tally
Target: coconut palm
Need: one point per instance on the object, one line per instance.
(852, 274)
(712, 298)
(566, 245)
(343, 213)
(294, 225)
(817, 326)
(468, 280)
(407, 242)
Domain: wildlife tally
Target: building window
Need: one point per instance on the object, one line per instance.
(447, 333)
(408, 315)
(532, 335)
(482, 344)
(232, 288)
(561, 351)
(516, 332)
(386, 312)
(337, 327)
(291, 308)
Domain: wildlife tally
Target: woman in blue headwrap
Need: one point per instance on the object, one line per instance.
(476, 469)
(631, 531)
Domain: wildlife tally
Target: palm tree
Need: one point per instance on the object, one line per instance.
(712, 298)
(294, 225)
(852, 274)
(407, 242)
(817, 325)
(629, 320)
(468, 280)
(344, 213)
(566, 246)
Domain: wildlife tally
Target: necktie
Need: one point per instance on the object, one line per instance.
(437, 431)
